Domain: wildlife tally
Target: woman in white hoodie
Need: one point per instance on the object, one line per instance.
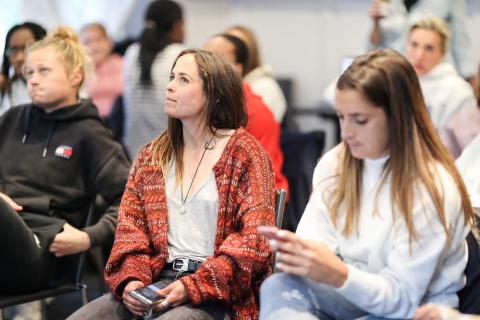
(449, 98)
(384, 230)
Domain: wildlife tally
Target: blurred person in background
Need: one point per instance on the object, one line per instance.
(259, 76)
(392, 20)
(147, 72)
(449, 98)
(107, 83)
(13, 86)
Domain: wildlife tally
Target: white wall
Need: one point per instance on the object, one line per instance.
(301, 39)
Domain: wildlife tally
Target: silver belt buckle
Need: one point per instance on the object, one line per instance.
(183, 264)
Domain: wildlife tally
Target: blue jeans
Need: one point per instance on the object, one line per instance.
(284, 296)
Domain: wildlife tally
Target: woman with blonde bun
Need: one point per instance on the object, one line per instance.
(56, 157)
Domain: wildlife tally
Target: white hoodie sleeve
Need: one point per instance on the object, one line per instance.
(415, 268)
(314, 224)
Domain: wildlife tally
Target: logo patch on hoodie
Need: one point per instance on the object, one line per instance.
(63, 151)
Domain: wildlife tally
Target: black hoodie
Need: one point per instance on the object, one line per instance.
(54, 163)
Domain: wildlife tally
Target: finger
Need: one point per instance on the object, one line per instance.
(290, 269)
(138, 304)
(53, 248)
(421, 314)
(289, 260)
(287, 247)
(288, 236)
(166, 291)
(268, 231)
(135, 305)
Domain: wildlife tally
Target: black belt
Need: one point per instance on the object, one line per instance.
(183, 265)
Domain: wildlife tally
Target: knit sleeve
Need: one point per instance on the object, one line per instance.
(130, 255)
(244, 258)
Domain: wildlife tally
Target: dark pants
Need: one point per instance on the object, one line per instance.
(108, 307)
(26, 264)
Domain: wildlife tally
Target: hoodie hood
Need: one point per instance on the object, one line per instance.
(83, 110)
(77, 112)
(258, 73)
(441, 70)
(445, 93)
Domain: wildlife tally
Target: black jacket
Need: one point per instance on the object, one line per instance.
(54, 164)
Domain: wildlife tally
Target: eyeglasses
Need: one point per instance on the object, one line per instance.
(13, 51)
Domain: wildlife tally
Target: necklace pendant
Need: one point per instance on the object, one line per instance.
(183, 209)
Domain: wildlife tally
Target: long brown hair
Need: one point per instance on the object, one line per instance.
(387, 80)
(225, 107)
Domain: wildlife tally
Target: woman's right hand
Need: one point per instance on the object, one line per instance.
(12, 203)
(305, 258)
(136, 307)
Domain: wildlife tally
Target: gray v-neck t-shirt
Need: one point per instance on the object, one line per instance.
(191, 234)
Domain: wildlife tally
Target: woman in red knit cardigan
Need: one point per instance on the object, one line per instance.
(192, 204)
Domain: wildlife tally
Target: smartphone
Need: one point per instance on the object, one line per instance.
(148, 295)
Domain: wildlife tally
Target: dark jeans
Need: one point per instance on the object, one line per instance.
(26, 264)
(108, 307)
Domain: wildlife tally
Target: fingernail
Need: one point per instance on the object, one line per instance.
(273, 243)
(278, 265)
(277, 254)
(281, 233)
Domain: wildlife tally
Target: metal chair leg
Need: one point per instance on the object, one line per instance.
(84, 294)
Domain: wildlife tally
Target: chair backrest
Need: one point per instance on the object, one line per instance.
(301, 151)
(469, 295)
(280, 197)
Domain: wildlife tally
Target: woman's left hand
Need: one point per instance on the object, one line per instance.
(308, 258)
(176, 294)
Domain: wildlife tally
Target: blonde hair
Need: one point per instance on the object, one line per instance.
(436, 25)
(67, 44)
(387, 80)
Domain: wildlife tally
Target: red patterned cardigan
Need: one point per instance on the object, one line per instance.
(242, 259)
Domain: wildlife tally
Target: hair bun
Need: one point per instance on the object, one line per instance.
(65, 33)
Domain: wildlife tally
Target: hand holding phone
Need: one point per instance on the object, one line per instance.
(148, 295)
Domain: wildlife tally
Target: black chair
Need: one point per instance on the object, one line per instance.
(280, 197)
(70, 280)
(301, 152)
(469, 296)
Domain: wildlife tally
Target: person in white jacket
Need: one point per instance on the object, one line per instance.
(449, 98)
(384, 230)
